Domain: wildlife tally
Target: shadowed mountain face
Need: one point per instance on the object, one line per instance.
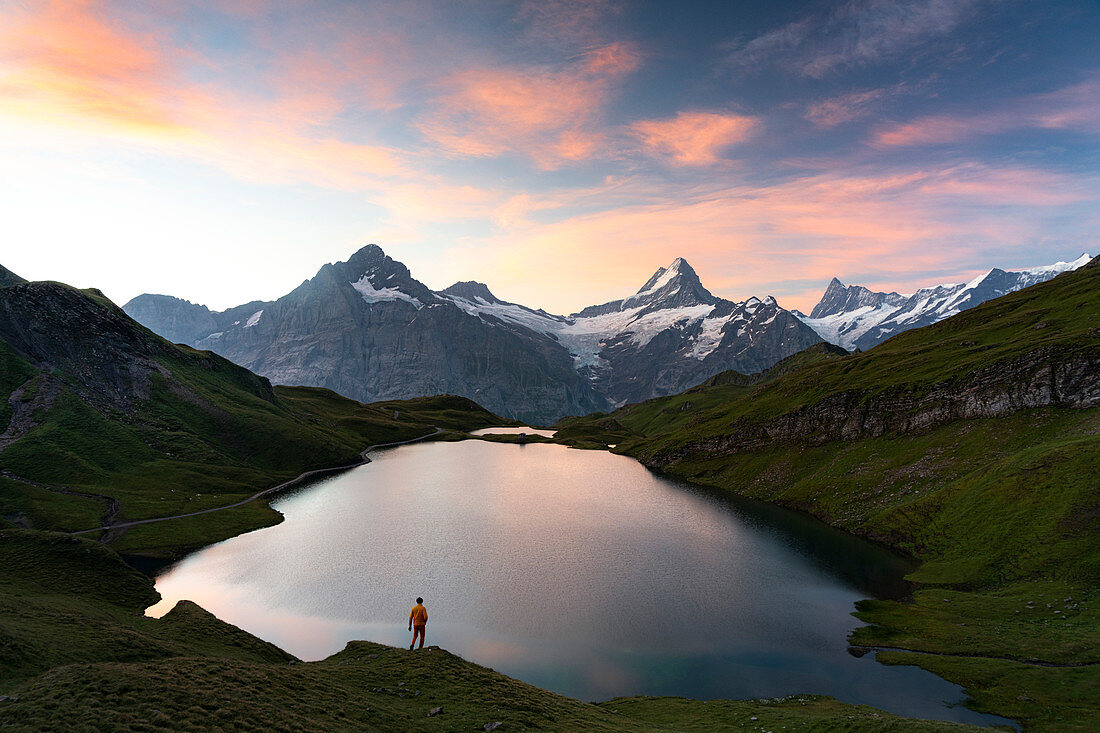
(7, 277)
(367, 329)
(840, 299)
(855, 317)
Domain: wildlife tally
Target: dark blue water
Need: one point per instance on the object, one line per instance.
(578, 571)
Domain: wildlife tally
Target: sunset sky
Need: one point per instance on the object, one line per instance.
(558, 151)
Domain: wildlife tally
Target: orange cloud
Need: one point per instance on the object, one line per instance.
(546, 113)
(63, 59)
(693, 138)
(68, 67)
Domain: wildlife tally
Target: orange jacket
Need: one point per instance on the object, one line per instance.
(418, 616)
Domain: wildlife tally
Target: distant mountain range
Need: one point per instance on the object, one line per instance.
(367, 329)
(857, 318)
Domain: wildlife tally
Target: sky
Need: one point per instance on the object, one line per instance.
(557, 150)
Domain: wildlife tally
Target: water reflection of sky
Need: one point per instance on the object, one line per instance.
(523, 430)
(579, 571)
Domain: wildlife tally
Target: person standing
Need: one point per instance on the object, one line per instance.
(418, 619)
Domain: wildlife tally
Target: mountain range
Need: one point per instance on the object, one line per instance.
(857, 318)
(367, 329)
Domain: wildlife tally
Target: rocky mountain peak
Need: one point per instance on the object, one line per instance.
(376, 276)
(675, 286)
(371, 261)
(472, 290)
(839, 298)
(679, 273)
(7, 277)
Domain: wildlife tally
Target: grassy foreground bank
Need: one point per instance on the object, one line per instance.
(77, 655)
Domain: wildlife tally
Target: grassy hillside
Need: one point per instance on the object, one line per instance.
(107, 422)
(974, 445)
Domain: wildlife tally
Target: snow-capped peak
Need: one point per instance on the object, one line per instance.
(664, 276)
(1060, 267)
(855, 317)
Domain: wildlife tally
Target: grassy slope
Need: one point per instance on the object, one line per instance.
(1001, 511)
(78, 656)
(208, 433)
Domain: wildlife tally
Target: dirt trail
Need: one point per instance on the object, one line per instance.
(1030, 662)
(114, 530)
(109, 515)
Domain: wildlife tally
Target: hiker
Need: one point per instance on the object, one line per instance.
(418, 619)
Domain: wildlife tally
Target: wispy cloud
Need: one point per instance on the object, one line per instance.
(855, 105)
(854, 33)
(1073, 108)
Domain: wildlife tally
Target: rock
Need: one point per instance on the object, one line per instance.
(858, 651)
(492, 726)
(435, 711)
(8, 698)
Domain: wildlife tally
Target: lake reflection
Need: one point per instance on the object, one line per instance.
(515, 431)
(578, 571)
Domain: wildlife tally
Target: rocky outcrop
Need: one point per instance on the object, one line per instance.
(1045, 377)
(83, 340)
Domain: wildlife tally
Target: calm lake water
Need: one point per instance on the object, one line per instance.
(515, 431)
(577, 571)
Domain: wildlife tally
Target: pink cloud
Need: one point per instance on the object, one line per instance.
(73, 69)
(812, 228)
(1072, 108)
(548, 113)
(693, 138)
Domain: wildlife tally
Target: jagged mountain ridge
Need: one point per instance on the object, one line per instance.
(839, 298)
(856, 317)
(367, 329)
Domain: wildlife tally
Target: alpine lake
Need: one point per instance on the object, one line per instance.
(577, 571)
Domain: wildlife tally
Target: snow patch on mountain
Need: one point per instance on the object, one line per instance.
(538, 321)
(709, 338)
(845, 328)
(254, 318)
(372, 294)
